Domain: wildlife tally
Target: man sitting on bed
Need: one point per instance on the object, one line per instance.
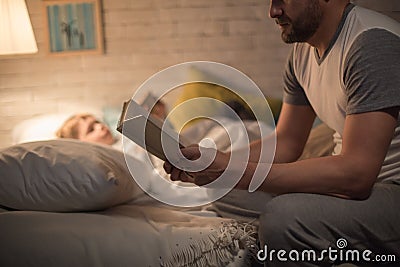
(344, 67)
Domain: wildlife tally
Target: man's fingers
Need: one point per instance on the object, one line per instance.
(167, 167)
(204, 179)
(178, 175)
(191, 152)
(186, 177)
(175, 174)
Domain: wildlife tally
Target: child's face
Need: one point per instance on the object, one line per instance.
(91, 130)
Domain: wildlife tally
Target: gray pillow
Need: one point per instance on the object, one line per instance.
(64, 175)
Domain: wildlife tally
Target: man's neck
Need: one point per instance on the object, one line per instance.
(328, 27)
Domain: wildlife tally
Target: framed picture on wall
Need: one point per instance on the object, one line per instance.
(73, 27)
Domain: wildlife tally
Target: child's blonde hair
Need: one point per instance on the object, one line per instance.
(69, 128)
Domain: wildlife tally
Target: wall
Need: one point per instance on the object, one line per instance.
(141, 38)
(390, 8)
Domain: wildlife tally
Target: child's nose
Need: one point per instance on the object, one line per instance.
(99, 126)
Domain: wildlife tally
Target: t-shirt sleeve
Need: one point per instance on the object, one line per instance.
(293, 92)
(372, 72)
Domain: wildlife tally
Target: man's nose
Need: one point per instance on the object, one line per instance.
(275, 9)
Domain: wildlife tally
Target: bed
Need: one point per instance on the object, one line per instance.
(70, 203)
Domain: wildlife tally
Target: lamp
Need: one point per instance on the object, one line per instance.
(16, 34)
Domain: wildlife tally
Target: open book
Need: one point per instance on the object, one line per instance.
(149, 132)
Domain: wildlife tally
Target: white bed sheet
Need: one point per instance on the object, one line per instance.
(126, 235)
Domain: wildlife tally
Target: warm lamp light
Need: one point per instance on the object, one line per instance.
(16, 34)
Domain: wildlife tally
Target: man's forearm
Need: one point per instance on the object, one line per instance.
(332, 175)
(283, 151)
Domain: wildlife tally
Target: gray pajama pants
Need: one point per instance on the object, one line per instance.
(307, 223)
(337, 230)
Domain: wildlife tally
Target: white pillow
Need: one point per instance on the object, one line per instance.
(38, 128)
(64, 175)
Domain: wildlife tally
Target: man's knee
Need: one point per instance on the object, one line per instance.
(277, 220)
(289, 220)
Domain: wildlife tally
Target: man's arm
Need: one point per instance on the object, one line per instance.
(351, 174)
(291, 134)
(293, 128)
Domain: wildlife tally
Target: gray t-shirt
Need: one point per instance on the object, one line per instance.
(359, 72)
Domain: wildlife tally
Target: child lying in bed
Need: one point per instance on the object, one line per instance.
(86, 127)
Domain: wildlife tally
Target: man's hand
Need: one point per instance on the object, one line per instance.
(208, 174)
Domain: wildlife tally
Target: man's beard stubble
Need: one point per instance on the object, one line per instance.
(304, 26)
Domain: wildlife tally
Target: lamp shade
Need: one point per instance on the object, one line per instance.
(16, 34)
